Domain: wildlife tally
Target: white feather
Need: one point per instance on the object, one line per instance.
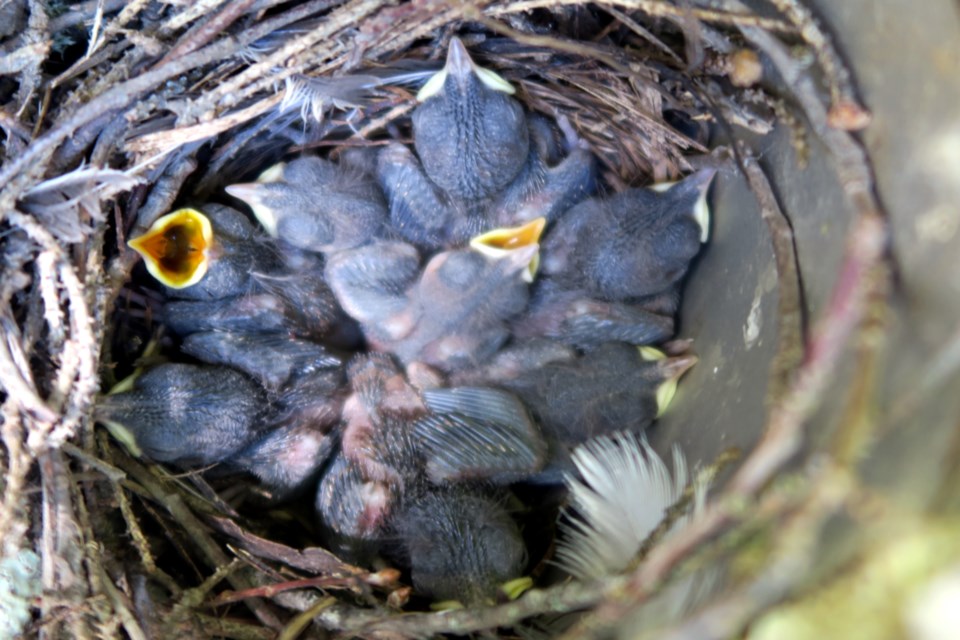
(621, 495)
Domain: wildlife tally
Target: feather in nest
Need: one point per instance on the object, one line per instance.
(622, 494)
(68, 204)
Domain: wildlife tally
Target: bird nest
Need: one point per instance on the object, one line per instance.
(116, 113)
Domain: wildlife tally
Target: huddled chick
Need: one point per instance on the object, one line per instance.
(400, 338)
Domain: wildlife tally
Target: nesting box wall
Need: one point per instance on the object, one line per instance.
(906, 58)
(730, 300)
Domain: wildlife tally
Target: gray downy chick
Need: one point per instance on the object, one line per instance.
(301, 432)
(285, 459)
(317, 205)
(420, 212)
(271, 359)
(371, 283)
(460, 545)
(472, 141)
(576, 318)
(636, 243)
(577, 397)
(291, 299)
(470, 133)
(351, 511)
(463, 302)
(395, 432)
(186, 414)
(398, 441)
(453, 315)
(550, 182)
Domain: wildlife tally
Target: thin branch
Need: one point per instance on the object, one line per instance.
(846, 112)
(204, 33)
(212, 553)
(789, 294)
(661, 9)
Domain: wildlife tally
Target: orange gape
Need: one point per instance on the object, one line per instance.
(176, 248)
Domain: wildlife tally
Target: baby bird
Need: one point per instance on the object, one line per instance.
(469, 132)
(576, 397)
(460, 545)
(186, 414)
(271, 359)
(286, 458)
(395, 432)
(203, 255)
(463, 301)
(483, 162)
(317, 205)
(420, 212)
(400, 443)
(636, 243)
(300, 423)
(352, 512)
(290, 299)
(452, 316)
(371, 285)
(576, 318)
(549, 183)
(472, 141)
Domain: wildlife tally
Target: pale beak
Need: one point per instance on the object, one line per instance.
(500, 242)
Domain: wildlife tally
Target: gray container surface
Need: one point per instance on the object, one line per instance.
(905, 57)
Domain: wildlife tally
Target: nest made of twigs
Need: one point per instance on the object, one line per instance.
(113, 112)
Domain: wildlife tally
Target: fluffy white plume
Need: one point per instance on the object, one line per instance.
(621, 495)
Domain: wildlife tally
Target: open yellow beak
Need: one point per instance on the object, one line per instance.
(498, 242)
(176, 248)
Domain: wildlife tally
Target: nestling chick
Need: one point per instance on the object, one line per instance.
(453, 315)
(269, 358)
(396, 432)
(285, 458)
(420, 212)
(352, 512)
(371, 284)
(251, 313)
(300, 425)
(292, 299)
(472, 141)
(577, 397)
(483, 162)
(462, 303)
(203, 256)
(576, 318)
(399, 442)
(460, 545)
(186, 414)
(549, 183)
(470, 134)
(316, 205)
(633, 244)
